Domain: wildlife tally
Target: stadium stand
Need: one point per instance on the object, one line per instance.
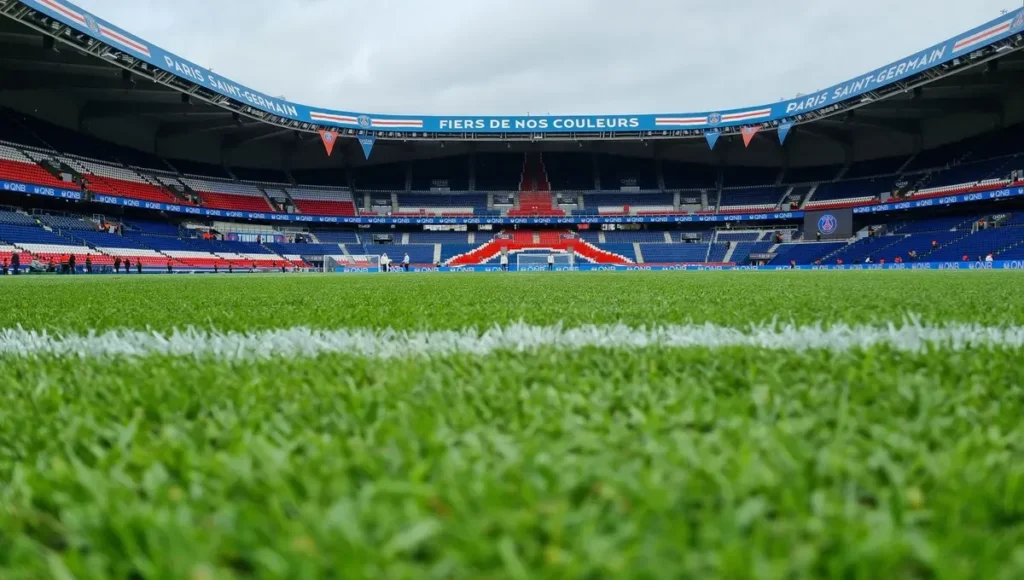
(498, 172)
(805, 252)
(753, 200)
(16, 166)
(680, 175)
(570, 171)
(228, 195)
(749, 177)
(813, 174)
(674, 253)
(317, 201)
(437, 204)
(979, 244)
(389, 177)
(438, 238)
(441, 174)
(617, 172)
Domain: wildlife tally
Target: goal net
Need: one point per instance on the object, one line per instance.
(538, 262)
(352, 263)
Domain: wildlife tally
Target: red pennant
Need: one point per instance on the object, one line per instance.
(329, 138)
(748, 134)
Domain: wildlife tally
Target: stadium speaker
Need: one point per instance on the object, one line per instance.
(917, 94)
(186, 99)
(49, 44)
(237, 119)
(126, 77)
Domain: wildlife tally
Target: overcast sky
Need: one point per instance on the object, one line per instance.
(542, 56)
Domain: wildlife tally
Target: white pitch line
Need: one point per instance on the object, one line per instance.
(382, 344)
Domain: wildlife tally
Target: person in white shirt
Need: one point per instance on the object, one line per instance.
(503, 260)
(384, 262)
(405, 262)
(551, 261)
(989, 258)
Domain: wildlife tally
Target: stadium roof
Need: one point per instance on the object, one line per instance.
(973, 91)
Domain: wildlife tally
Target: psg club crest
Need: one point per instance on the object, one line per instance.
(1019, 21)
(328, 137)
(91, 23)
(714, 118)
(827, 224)
(364, 121)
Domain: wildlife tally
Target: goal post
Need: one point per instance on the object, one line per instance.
(538, 262)
(352, 263)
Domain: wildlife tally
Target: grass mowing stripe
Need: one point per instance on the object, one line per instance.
(387, 344)
(244, 303)
(651, 463)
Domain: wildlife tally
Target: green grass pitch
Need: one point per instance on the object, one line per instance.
(718, 460)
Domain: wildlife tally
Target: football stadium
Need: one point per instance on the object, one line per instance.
(247, 337)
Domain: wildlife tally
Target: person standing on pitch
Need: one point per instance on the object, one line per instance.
(384, 261)
(127, 266)
(138, 266)
(88, 265)
(405, 262)
(551, 260)
(503, 260)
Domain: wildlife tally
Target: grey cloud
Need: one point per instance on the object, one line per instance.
(540, 56)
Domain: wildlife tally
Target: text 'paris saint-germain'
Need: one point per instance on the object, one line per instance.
(196, 74)
(868, 82)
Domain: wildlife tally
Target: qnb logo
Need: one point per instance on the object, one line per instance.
(1019, 21)
(827, 224)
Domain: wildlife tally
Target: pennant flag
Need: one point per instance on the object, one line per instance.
(367, 142)
(712, 136)
(784, 128)
(329, 138)
(748, 133)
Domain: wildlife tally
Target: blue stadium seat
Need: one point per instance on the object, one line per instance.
(804, 252)
(625, 250)
(336, 236)
(979, 244)
(673, 253)
(741, 253)
(438, 238)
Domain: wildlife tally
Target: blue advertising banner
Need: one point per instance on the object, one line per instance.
(380, 220)
(930, 57)
(960, 266)
(1006, 193)
(40, 190)
(28, 189)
